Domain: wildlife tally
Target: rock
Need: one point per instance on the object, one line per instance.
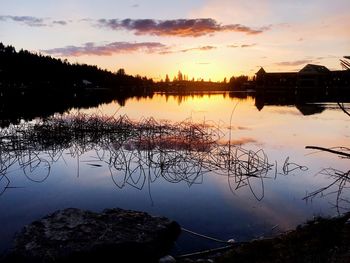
(167, 259)
(231, 241)
(115, 234)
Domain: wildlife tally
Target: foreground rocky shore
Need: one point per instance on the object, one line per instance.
(74, 235)
(118, 235)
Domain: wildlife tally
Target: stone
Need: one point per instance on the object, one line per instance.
(115, 235)
(167, 259)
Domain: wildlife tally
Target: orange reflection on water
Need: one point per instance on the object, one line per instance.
(209, 107)
(273, 127)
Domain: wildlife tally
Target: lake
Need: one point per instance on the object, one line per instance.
(263, 195)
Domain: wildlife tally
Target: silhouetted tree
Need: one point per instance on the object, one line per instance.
(237, 83)
(121, 72)
(179, 76)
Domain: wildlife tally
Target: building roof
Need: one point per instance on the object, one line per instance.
(261, 71)
(314, 69)
(308, 69)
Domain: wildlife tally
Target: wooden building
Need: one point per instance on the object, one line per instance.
(310, 76)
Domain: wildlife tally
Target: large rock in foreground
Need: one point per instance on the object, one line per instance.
(115, 235)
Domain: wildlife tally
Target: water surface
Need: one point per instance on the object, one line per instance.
(206, 202)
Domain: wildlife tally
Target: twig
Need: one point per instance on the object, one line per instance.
(327, 150)
(343, 109)
(208, 251)
(204, 236)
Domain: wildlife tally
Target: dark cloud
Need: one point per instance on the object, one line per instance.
(135, 5)
(176, 27)
(86, 19)
(232, 46)
(294, 63)
(60, 22)
(106, 50)
(27, 20)
(33, 21)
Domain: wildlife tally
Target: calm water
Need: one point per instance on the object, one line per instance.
(209, 203)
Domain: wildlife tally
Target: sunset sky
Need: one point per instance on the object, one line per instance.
(202, 38)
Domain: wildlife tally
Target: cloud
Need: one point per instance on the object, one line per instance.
(27, 20)
(33, 21)
(177, 27)
(203, 48)
(60, 22)
(241, 46)
(294, 63)
(232, 46)
(106, 50)
(248, 45)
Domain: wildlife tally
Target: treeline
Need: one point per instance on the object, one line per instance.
(185, 86)
(33, 85)
(25, 70)
(239, 83)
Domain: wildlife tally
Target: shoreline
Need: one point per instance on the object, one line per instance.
(318, 240)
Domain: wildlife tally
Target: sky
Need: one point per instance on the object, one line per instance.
(208, 39)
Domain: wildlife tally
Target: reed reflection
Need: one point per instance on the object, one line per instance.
(136, 153)
(339, 180)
